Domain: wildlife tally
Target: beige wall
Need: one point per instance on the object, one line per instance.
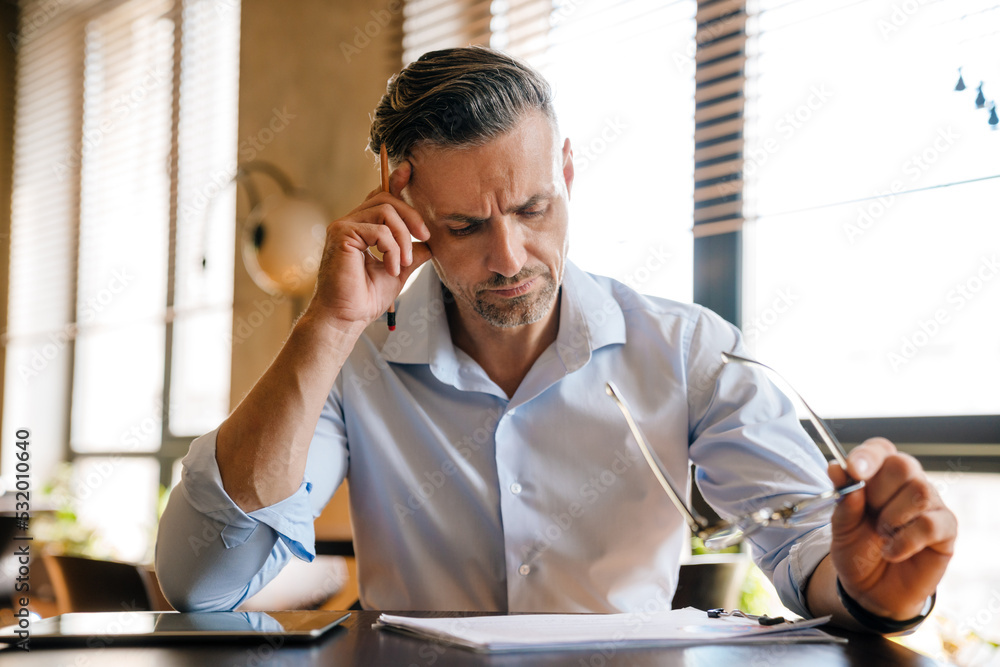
(292, 60)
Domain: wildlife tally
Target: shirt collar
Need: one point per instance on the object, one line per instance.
(589, 318)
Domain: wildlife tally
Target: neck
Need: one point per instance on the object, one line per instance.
(506, 354)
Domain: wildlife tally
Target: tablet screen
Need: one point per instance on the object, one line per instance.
(103, 628)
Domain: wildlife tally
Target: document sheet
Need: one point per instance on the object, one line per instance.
(677, 627)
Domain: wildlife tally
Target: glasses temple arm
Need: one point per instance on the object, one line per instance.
(829, 439)
(695, 521)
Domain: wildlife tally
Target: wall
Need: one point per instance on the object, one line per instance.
(293, 62)
(324, 65)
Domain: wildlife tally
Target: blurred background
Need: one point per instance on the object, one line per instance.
(824, 175)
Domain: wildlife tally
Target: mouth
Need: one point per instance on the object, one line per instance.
(513, 290)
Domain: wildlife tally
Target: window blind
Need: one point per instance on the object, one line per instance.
(719, 105)
(125, 111)
(429, 25)
(42, 286)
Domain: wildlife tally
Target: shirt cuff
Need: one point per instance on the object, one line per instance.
(291, 518)
(792, 577)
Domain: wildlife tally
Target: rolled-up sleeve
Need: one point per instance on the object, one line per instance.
(211, 555)
(750, 452)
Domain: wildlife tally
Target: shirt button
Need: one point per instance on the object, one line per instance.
(510, 413)
(524, 570)
(515, 488)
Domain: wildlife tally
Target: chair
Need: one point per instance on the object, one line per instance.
(709, 582)
(85, 584)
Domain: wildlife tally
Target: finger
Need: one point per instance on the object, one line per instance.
(936, 529)
(370, 234)
(865, 459)
(850, 512)
(388, 215)
(837, 474)
(411, 217)
(896, 472)
(421, 253)
(913, 499)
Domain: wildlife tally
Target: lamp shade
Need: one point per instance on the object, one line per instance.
(283, 241)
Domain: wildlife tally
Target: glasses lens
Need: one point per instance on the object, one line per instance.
(810, 508)
(729, 533)
(724, 538)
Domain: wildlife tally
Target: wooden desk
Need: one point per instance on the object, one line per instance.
(356, 643)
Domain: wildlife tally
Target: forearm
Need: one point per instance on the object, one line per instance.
(262, 447)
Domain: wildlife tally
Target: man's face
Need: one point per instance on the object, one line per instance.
(498, 217)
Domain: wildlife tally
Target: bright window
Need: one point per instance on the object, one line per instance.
(871, 273)
(121, 290)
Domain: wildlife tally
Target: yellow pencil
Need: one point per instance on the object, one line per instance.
(384, 169)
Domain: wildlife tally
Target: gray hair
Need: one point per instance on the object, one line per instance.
(455, 98)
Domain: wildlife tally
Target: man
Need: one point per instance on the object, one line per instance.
(488, 468)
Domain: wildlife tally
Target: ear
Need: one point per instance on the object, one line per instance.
(567, 166)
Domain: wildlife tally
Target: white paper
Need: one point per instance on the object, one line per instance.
(677, 627)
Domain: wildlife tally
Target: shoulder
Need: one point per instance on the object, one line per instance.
(693, 322)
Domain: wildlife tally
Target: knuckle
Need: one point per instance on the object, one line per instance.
(921, 494)
(880, 444)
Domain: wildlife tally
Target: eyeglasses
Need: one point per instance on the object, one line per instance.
(726, 533)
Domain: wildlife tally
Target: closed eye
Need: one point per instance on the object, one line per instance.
(533, 211)
(467, 230)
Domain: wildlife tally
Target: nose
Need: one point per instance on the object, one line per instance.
(506, 254)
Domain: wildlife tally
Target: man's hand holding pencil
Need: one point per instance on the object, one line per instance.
(354, 286)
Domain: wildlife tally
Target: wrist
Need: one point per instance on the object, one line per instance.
(327, 330)
(882, 624)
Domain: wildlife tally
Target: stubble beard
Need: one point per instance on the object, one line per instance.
(519, 310)
(512, 312)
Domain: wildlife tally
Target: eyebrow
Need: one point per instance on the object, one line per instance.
(533, 200)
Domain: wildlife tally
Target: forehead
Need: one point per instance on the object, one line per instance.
(506, 171)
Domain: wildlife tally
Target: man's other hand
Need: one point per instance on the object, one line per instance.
(892, 539)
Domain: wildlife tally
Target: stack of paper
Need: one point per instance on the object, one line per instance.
(678, 627)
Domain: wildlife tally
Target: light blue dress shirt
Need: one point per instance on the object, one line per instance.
(465, 499)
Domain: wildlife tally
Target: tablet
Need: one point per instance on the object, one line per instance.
(142, 627)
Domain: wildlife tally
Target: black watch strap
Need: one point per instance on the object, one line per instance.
(880, 623)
